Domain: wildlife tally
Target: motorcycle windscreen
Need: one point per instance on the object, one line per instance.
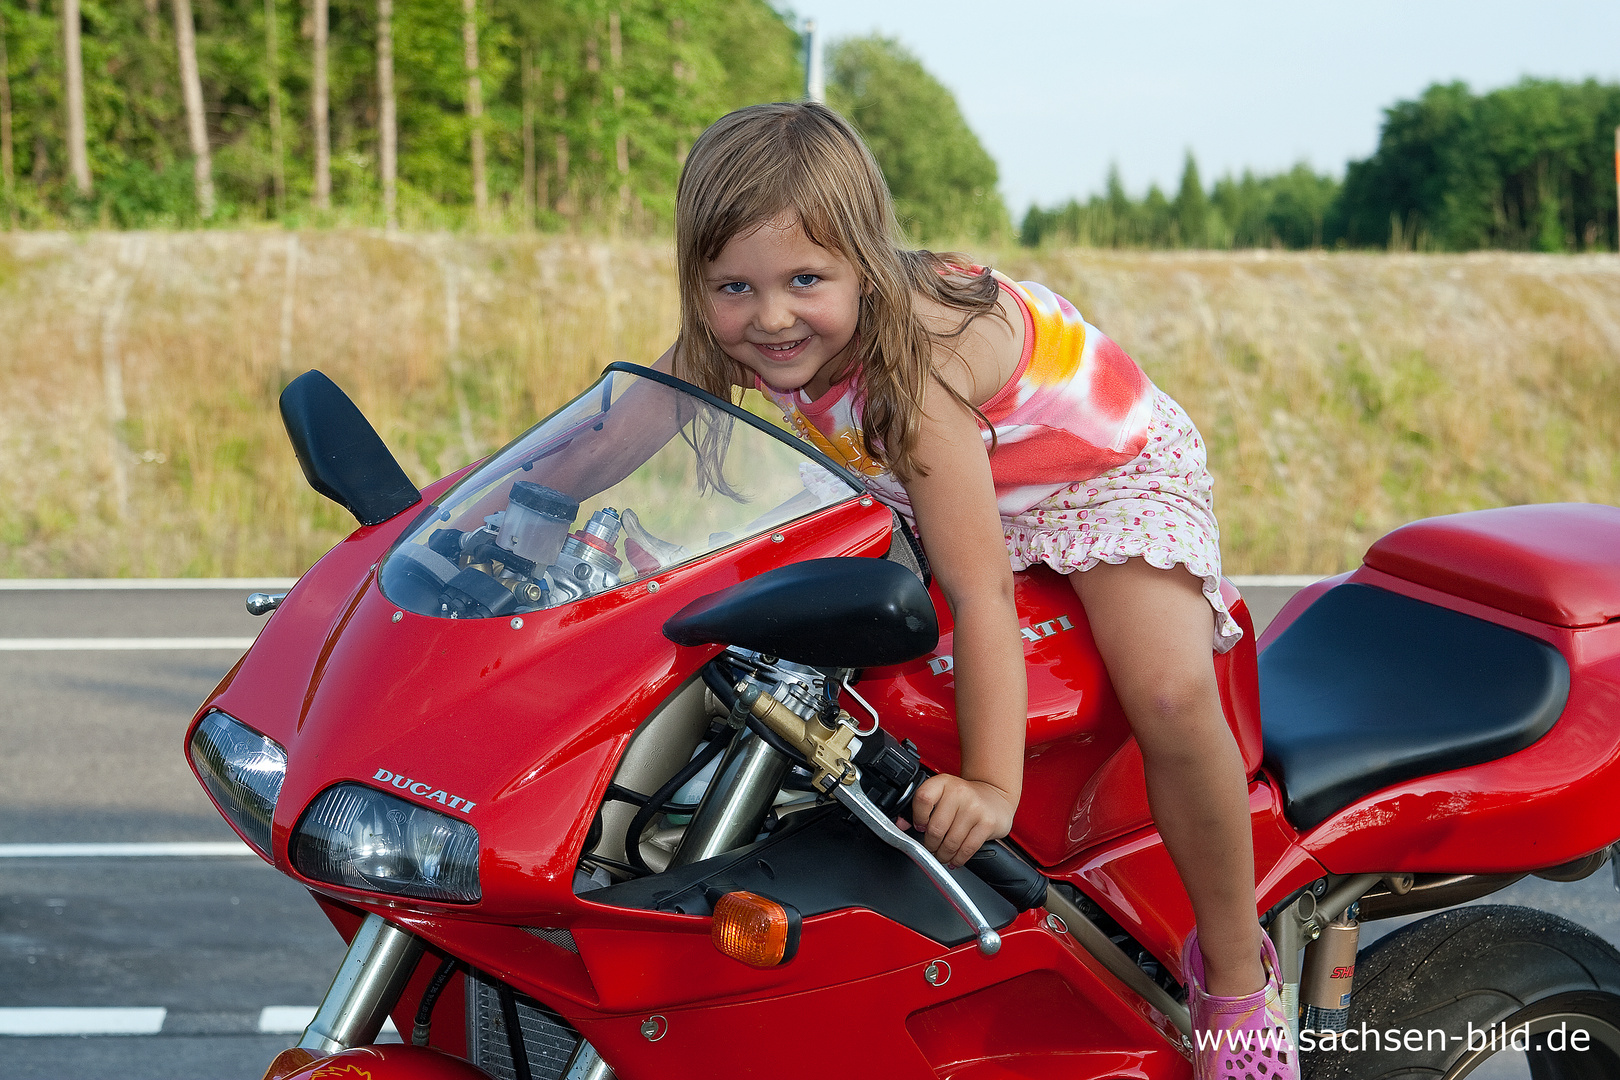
(631, 478)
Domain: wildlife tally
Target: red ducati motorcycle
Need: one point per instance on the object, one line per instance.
(593, 753)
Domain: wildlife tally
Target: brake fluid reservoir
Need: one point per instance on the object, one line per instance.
(536, 523)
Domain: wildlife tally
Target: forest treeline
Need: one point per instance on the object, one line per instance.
(579, 114)
(433, 112)
(1528, 168)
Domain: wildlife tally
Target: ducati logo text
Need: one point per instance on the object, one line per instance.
(421, 790)
(939, 665)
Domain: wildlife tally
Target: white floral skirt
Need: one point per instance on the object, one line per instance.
(1159, 506)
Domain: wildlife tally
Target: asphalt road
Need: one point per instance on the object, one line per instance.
(90, 751)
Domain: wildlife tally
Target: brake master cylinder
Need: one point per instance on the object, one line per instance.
(536, 523)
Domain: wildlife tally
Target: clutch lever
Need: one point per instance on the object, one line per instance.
(856, 802)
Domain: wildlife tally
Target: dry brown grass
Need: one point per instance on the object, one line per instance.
(1340, 395)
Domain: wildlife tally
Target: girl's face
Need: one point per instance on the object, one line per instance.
(784, 307)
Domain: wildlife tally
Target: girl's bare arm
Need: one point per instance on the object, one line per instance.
(955, 506)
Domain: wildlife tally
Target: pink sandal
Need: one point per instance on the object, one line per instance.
(1239, 1038)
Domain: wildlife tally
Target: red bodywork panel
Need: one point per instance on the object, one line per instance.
(391, 1062)
(524, 724)
(1082, 770)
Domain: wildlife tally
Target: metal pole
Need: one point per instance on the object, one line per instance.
(815, 80)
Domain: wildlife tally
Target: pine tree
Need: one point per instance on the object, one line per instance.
(1191, 208)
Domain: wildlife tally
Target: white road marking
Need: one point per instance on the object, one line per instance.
(293, 1019)
(92, 584)
(173, 849)
(81, 1021)
(60, 1021)
(114, 644)
(276, 1019)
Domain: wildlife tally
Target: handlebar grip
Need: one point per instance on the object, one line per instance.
(1019, 883)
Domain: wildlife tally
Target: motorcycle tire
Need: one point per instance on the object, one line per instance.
(1467, 972)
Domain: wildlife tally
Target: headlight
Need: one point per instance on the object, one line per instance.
(360, 838)
(243, 771)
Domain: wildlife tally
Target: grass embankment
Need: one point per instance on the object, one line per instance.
(1340, 395)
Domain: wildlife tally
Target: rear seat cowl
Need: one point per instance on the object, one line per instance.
(1556, 563)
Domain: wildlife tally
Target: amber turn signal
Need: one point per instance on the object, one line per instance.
(755, 929)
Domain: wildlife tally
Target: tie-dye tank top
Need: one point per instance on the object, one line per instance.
(1075, 407)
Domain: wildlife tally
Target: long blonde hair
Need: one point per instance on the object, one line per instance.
(757, 163)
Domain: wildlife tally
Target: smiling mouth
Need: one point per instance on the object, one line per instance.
(783, 347)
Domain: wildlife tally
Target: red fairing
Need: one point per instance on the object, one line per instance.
(1134, 880)
(477, 711)
(1082, 770)
(1053, 1011)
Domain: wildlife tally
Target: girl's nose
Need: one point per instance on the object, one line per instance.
(775, 314)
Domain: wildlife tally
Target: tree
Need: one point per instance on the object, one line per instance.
(1525, 167)
(73, 63)
(320, 107)
(185, 36)
(475, 107)
(7, 162)
(387, 119)
(943, 181)
(272, 83)
(605, 144)
(1191, 207)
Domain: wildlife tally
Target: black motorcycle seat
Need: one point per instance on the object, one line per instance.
(1368, 688)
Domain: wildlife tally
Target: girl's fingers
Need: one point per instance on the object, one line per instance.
(976, 839)
(968, 831)
(925, 800)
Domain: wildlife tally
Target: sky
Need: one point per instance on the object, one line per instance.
(1058, 90)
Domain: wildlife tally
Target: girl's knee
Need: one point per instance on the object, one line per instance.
(1173, 703)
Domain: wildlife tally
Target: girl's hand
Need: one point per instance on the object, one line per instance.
(958, 816)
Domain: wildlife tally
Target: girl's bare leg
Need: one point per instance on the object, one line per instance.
(1153, 629)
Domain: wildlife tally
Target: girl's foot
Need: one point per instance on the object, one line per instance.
(1239, 1038)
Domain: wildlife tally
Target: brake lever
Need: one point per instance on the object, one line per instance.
(826, 750)
(856, 802)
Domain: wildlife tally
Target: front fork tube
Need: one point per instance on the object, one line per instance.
(367, 985)
(374, 971)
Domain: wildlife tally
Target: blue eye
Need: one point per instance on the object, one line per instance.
(804, 281)
(734, 288)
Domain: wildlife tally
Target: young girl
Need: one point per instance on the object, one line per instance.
(1009, 432)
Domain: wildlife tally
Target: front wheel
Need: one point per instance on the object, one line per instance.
(1490, 992)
